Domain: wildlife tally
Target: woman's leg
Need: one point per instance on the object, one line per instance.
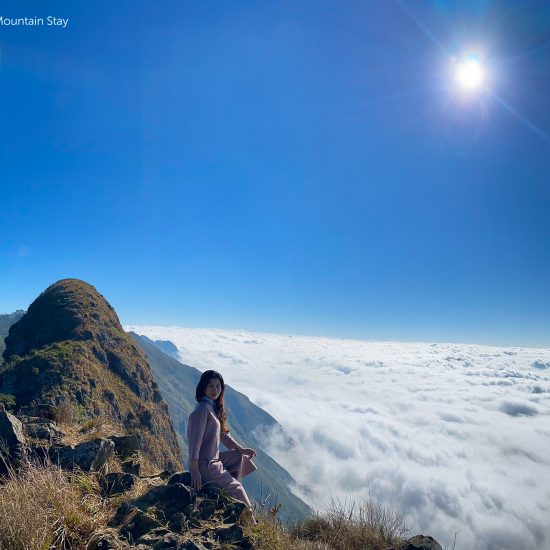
(237, 464)
(215, 474)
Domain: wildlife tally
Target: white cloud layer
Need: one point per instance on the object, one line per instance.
(455, 436)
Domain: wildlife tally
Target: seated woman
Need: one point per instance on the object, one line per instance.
(205, 430)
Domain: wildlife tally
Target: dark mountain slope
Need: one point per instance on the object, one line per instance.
(6, 321)
(177, 383)
(70, 347)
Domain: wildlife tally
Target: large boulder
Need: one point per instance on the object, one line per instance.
(418, 542)
(89, 456)
(12, 439)
(11, 430)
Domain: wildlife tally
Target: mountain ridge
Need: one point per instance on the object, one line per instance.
(70, 347)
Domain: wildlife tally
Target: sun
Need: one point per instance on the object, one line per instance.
(469, 73)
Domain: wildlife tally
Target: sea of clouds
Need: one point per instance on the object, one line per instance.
(455, 436)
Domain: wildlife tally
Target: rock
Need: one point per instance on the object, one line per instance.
(209, 492)
(125, 445)
(233, 511)
(194, 521)
(39, 452)
(191, 545)
(89, 456)
(131, 466)
(41, 428)
(177, 522)
(152, 538)
(180, 477)
(165, 474)
(181, 495)
(168, 500)
(422, 542)
(42, 410)
(146, 417)
(137, 523)
(177, 495)
(418, 542)
(12, 439)
(117, 482)
(178, 498)
(245, 544)
(121, 513)
(106, 540)
(207, 508)
(167, 542)
(11, 430)
(228, 533)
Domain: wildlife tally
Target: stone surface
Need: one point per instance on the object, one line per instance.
(126, 445)
(106, 539)
(12, 439)
(137, 523)
(11, 430)
(418, 542)
(180, 477)
(209, 492)
(228, 533)
(131, 466)
(153, 537)
(117, 482)
(36, 427)
(177, 522)
(167, 542)
(89, 456)
(208, 507)
(232, 512)
(42, 410)
(191, 545)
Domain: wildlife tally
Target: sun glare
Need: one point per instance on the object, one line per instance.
(469, 73)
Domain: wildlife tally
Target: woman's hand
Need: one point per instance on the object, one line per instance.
(250, 453)
(196, 478)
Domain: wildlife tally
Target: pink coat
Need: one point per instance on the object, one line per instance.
(203, 433)
(226, 469)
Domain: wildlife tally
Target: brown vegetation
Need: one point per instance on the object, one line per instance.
(369, 525)
(42, 507)
(69, 350)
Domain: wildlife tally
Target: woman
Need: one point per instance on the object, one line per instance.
(205, 430)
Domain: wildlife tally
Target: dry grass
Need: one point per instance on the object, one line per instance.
(96, 427)
(67, 413)
(369, 525)
(148, 467)
(270, 534)
(43, 507)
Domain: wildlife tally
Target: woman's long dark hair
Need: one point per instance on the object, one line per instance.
(219, 405)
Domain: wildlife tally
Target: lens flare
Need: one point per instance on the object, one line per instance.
(469, 73)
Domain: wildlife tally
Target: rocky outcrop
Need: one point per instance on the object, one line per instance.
(12, 439)
(173, 515)
(167, 513)
(69, 354)
(418, 542)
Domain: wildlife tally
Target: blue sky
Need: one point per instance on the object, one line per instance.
(303, 167)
